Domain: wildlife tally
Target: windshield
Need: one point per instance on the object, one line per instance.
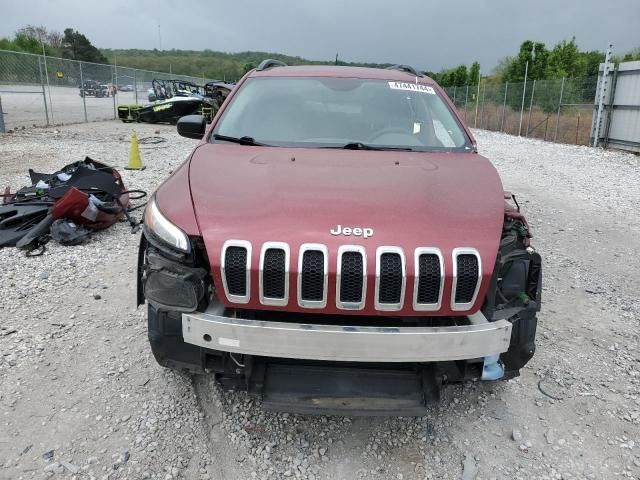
(338, 112)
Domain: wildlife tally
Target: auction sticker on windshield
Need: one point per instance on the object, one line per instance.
(412, 87)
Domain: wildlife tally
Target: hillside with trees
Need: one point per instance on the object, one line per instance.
(564, 59)
(210, 63)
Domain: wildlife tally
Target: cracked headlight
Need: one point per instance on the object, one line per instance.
(158, 225)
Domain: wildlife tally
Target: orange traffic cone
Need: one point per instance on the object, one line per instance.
(135, 163)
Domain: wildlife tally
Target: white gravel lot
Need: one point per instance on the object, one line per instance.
(81, 396)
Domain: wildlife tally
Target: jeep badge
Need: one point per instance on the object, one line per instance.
(355, 231)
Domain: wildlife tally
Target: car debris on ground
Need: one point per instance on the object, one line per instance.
(64, 206)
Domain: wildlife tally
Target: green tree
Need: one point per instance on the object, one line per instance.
(474, 74)
(632, 55)
(78, 47)
(459, 76)
(564, 60)
(247, 67)
(25, 43)
(500, 70)
(532, 57)
(590, 63)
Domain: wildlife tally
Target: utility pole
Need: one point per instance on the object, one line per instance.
(475, 121)
(46, 71)
(159, 37)
(336, 59)
(524, 88)
(115, 86)
(115, 67)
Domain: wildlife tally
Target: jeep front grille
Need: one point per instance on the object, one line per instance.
(312, 276)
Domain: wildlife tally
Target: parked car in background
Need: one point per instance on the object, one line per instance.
(91, 88)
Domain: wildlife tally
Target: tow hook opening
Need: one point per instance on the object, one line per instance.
(493, 368)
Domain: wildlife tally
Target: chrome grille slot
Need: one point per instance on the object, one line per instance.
(429, 279)
(274, 273)
(313, 275)
(312, 284)
(351, 285)
(236, 268)
(466, 278)
(390, 278)
(351, 280)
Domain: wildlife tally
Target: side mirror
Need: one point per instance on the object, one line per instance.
(192, 126)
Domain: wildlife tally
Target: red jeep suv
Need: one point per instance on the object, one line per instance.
(334, 243)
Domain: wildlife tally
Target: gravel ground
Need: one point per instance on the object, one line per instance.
(81, 396)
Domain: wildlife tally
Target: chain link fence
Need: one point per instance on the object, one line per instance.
(41, 91)
(555, 110)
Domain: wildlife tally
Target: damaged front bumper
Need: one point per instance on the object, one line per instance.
(212, 330)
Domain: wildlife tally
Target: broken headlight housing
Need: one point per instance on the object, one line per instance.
(172, 286)
(160, 227)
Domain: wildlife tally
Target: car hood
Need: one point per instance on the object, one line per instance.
(297, 195)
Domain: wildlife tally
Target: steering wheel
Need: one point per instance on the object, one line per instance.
(384, 131)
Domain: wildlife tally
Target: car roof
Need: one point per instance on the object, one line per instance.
(336, 71)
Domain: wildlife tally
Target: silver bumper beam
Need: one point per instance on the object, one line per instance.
(344, 343)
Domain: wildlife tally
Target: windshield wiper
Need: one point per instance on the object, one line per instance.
(241, 140)
(364, 146)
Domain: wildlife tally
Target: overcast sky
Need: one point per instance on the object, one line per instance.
(429, 34)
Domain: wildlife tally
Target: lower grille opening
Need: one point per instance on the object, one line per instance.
(312, 276)
(235, 266)
(390, 289)
(429, 278)
(273, 273)
(351, 277)
(467, 272)
(347, 320)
